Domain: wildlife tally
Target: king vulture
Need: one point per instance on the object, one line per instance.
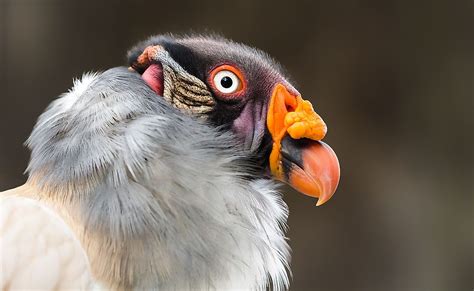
(164, 175)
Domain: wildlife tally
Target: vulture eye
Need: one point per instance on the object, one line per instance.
(227, 79)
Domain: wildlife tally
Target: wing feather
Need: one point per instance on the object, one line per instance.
(38, 250)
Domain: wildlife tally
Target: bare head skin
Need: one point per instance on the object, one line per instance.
(243, 89)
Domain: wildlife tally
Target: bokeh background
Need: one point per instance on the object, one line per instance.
(392, 79)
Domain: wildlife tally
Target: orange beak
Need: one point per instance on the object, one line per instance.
(298, 156)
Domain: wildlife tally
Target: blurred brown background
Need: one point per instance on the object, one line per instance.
(393, 80)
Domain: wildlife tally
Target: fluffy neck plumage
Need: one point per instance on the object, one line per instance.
(158, 199)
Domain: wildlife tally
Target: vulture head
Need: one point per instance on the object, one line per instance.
(242, 89)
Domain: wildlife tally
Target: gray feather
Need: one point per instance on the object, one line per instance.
(159, 200)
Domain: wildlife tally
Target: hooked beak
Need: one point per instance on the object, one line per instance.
(298, 157)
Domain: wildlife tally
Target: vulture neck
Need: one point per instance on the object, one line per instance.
(158, 199)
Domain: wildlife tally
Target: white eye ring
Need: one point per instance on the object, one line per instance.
(226, 82)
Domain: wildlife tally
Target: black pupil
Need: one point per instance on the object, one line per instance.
(226, 82)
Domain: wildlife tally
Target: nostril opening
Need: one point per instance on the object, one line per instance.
(291, 103)
(290, 108)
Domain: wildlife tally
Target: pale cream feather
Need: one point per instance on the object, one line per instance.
(37, 249)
